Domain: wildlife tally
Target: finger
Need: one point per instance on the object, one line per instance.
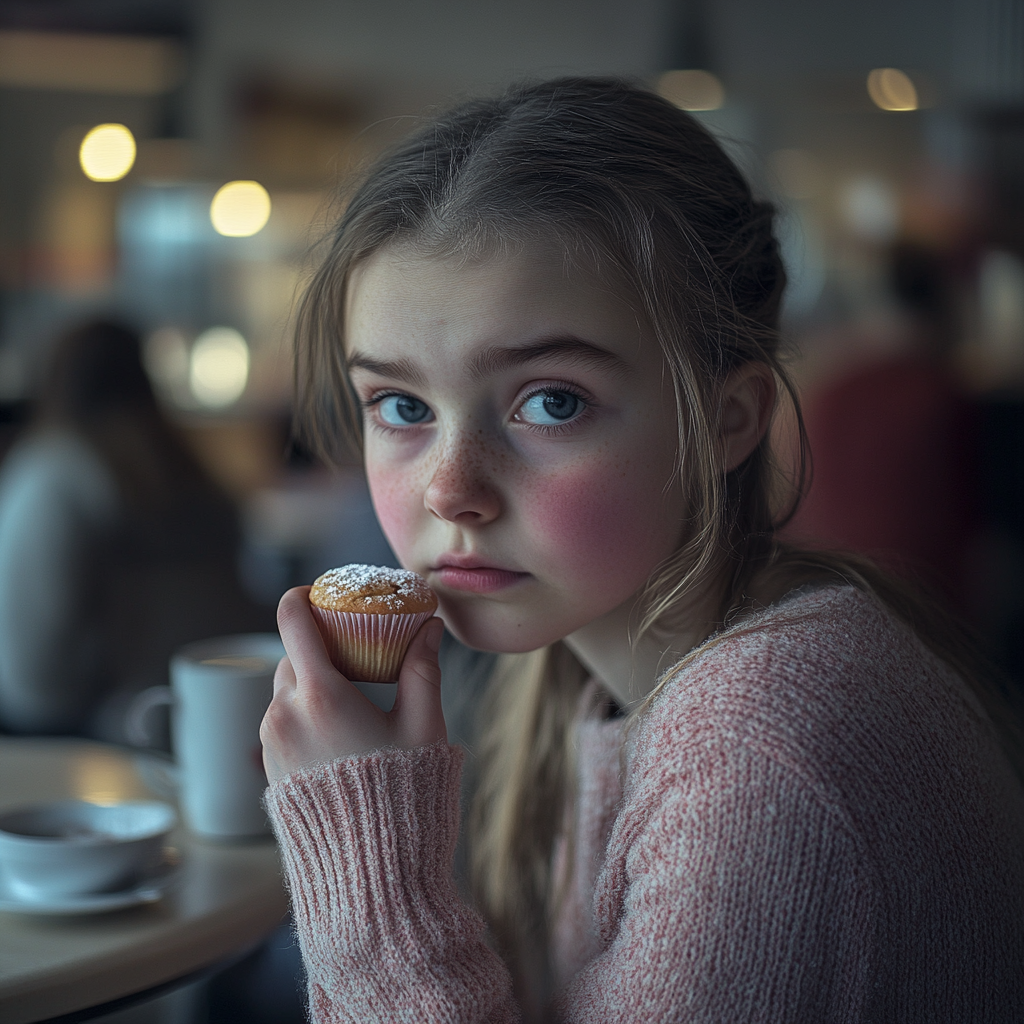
(420, 719)
(301, 636)
(270, 766)
(284, 676)
(272, 743)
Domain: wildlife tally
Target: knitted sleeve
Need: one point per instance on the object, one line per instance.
(738, 895)
(367, 845)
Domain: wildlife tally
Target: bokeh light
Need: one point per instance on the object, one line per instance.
(870, 209)
(107, 152)
(219, 367)
(692, 89)
(240, 208)
(891, 89)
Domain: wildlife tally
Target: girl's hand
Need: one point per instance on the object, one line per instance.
(317, 715)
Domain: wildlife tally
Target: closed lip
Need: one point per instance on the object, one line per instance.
(454, 561)
(473, 575)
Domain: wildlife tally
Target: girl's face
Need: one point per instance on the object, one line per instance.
(520, 439)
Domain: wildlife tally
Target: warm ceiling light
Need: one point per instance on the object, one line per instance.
(891, 89)
(692, 89)
(240, 208)
(107, 152)
(219, 367)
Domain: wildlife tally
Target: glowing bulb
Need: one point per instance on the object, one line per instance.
(219, 367)
(240, 208)
(692, 90)
(891, 89)
(107, 152)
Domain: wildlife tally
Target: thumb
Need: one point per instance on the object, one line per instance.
(419, 719)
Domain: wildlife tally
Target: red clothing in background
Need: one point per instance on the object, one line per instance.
(893, 449)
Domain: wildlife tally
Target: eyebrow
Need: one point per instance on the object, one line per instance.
(496, 359)
(397, 369)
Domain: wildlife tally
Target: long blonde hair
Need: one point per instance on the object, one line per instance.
(638, 191)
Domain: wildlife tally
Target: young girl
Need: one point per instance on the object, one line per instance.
(723, 780)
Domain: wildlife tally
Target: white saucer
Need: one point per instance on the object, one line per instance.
(149, 890)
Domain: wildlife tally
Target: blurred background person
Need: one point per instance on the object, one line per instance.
(115, 546)
(894, 442)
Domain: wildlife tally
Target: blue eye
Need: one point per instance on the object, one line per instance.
(403, 410)
(547, 408)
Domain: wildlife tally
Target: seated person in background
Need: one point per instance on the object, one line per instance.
(893, 444)
(115, 547)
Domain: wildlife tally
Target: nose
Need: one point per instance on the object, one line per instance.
(461, 489)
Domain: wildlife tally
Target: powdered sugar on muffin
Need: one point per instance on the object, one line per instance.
(372, 589)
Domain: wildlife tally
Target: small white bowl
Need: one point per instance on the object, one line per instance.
(71, 847)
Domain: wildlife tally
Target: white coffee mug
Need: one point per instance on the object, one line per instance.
(221, 690)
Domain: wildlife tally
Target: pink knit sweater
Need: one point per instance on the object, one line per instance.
(816, 824)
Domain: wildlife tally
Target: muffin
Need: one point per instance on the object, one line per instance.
(368, 615)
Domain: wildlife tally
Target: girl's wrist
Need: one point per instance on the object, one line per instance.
(389, 815)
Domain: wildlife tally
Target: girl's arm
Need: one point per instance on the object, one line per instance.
(365, 805)
(731, 891)
(367, 844)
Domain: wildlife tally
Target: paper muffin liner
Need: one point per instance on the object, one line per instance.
(368, 648)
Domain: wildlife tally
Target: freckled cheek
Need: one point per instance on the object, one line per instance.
(398, 502)
(602, 527)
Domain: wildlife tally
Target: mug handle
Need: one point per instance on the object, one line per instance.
(136, 725)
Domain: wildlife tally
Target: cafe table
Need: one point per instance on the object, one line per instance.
(221, 901)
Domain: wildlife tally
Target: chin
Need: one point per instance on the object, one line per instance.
(496, 632)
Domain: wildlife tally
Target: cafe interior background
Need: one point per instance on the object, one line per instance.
(174, 163)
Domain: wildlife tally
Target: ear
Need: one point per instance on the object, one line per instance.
(747, 402)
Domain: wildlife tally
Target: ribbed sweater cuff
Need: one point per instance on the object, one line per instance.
(367, 844)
